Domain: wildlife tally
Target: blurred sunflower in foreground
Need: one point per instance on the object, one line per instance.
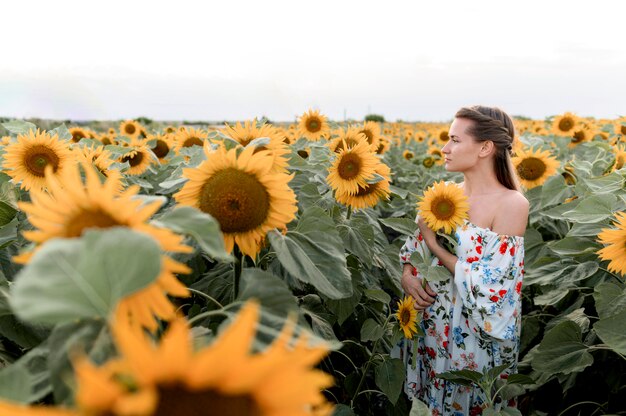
(169, 378)
(615, 251)
(242, 193)
(71, 206)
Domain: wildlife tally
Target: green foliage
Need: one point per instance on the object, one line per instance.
(375, 117)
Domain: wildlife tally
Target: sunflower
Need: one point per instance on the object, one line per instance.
(534, 167)
(615, 252)
(242, 194)
(437, 154)
(352, 169)
(78, 133)
(407, 317)
(225, 378)
(428, 162)
(71, 206)
(371, 130)
(408, 155)
(139, 157)
(370, 194)
(383, 146)
(130, 128)
(188, 137)
(304, 153)
(619, 126)
(25, 160)
(581, 134)
(444, 206)
(441, 135)
(249, 131)
(346, 139)
(565, 124)
(620, 157)
(162, 146)
(313, 125)
(106, 139)
(99, 157)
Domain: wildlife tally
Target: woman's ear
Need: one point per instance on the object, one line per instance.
(487, 148)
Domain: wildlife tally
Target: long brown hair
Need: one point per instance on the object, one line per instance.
(491, 123)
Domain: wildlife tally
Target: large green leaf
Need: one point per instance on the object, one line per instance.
(553, 191)
(562, 350)
(26, 380)
(405, 226)
(200, 226)
(610, 183)
(574, 246)
(73, 278)
(319, 318)
(612, 330)
(314, 253)
(593, 209)
(270, 290)
(610, 299)
(358, 238)
(389, 377)
(19, 126)
(371, 330)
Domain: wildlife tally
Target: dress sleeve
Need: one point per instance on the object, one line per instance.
(412, 243)
(491, 285)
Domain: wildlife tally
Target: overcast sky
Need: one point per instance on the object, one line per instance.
(234, 59)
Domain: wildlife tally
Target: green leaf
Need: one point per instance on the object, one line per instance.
(378, 295)
(610, 183)
(574, 246)
(610, 299)
(320, 319)
(519, 379)
(402, 193)
(26, 380)
(19, 126)
(593, 209)
(269, 289)
(15, 383)
(202, 227)
(419, 408)
(68, 279)
(371, 330)
(389, 377)
(358, 238)
(62, 131)
(562, 350)
(314, 253)
(553, 191)
(464, 377)
(612, 330)
(343, 410)
(405, 226)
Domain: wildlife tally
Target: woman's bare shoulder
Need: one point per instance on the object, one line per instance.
(512, 214)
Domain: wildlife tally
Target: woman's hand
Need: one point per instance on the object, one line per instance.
(412, 285)
(430, 238)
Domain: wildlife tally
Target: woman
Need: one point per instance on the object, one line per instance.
(472, 321)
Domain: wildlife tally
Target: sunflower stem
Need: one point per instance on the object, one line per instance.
(237, 272)
(349, 213)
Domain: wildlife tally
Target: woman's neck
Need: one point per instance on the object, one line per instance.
(480, 182)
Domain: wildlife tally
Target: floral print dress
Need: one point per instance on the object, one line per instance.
(474, 323)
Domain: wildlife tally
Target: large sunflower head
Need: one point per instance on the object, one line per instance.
(139, 158)
(130, 128)
(615, 238)
(534, 167)
(565, 124)
(370, 194)
(313, 125)
(26, 159)
(242, 193)
(352, 168)
(72, 205)
(250, 130)
(444, 206)
(346, 139)
(407, 316)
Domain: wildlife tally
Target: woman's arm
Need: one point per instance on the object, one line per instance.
(430, 238)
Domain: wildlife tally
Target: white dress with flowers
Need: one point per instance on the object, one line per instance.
(474, 323)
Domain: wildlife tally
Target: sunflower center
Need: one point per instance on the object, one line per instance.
(237, 200)
(133, 160)
(192, 141)
(428, 162)
(369, 135)
(369, 189)
(531, 168)
(442, 208)
(622, 129)
(619, 162)
(579, 136)
(405, 317)
(89, 219)
(106, 140)
(178, 400)
(244, 142)
(77, 136)
(38, 158)
(566, 124)
(303, 154)
(443, 136)
(130, 129)
(408, 155)
(349, 166)
(313, 125)
(161, 149)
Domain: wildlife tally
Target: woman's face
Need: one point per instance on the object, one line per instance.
(461, 151)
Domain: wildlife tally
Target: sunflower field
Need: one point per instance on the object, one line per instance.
(253, 268)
